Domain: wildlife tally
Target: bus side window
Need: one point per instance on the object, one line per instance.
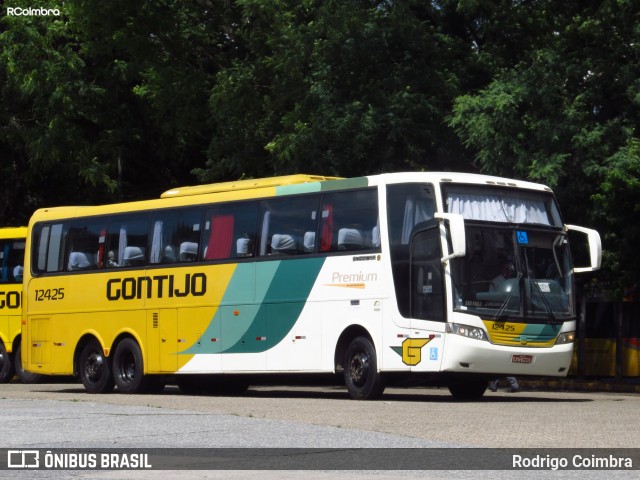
(11, 261)
(84, 244)
(289, 226)
(174, 236)
(427, 293)
(48, 255)
(350, 221)
(127, 241)
(230, 231)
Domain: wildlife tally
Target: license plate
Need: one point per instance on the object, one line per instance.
(522, 359)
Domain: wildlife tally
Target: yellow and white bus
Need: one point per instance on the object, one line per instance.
(384, 279)
(12, 244)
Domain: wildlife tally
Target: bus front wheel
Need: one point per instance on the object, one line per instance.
(361, 376)
(7, 368)
(128, 368)
(95, 370)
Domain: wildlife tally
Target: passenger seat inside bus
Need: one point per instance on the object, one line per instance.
(244, 247)
(282, 243)
(133, 256)
(169, 254)
(357, 239)
(351, 239)
(309, 242)
(81, 261)
(188, 251)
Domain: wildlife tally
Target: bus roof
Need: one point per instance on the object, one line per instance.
(275, 186)
(463, 178)
(13, 232)
(245, 185)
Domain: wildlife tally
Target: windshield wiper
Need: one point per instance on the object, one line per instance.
(545, 302)
(500, 313)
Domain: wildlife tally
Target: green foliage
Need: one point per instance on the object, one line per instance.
(618, 211)
(337, 88)
(565, 113)
(109, 98)
(122, 100)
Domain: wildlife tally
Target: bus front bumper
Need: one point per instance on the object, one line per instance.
(478, 356)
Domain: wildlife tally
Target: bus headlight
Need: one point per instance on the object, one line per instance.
(566, 337)
(466, 331)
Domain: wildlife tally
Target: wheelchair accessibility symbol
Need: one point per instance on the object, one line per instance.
(522, 237)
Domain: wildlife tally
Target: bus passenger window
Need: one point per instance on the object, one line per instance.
(11, 259)
(230, 231)
(126, 242)
(85, 242)
(48, 244)
(289, 226)
(350, 221)
(171, 232)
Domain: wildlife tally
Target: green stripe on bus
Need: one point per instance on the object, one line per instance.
(327, 186)
(282, 289)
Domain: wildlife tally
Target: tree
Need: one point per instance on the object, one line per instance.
(566, 113)
(336, 87)
(109, 99)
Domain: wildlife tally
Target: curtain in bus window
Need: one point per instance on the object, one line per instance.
(375, 234)
(497, 208)
(415, 212)
(327, 228)
(122, 244)
(156, 242)
(101, 242)
(220, 237)
(264, 232)
(42, 249)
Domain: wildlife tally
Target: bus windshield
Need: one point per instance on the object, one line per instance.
(514, 272)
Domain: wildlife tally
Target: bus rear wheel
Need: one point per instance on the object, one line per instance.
(128, 367)
(361, 376)
(7, 367)
(95, 370)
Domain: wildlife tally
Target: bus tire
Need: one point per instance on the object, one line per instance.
(23, 375)
(361, 376)
(7, 367)
(128, 368)
(469, 390)
(95, 369)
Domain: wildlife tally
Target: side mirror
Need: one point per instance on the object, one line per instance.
(595, 248)
(457, 234)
